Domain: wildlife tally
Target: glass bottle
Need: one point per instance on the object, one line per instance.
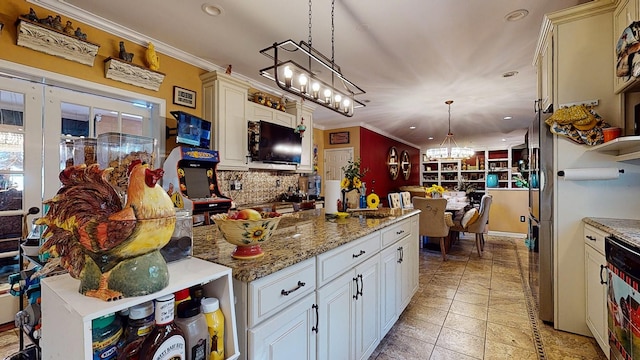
(166, 340)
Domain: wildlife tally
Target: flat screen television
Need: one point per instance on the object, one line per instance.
(192, 130)
(279, 144)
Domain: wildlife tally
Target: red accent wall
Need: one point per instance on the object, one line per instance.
(373, 155)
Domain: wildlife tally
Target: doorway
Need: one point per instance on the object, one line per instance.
(335, 160)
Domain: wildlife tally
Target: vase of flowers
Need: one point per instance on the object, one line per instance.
(352, 180)
(434, 191)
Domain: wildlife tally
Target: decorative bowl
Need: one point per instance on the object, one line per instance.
(246, 235)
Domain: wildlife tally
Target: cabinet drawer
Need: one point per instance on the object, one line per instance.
(337, 261)
(595, 238)
(272, 293)
(395, 233)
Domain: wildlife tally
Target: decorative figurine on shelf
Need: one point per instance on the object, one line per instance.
(31, 15)
(48, 21)
(68, 29)
(81, 35)
(123, 54)
(113, 250)
(228, 71)
(153, 61)
(57, 23)
(301, 128)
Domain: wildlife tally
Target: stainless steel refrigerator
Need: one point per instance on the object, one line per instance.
(540, 237)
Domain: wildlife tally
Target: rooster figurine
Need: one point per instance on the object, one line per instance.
(113, 250)
(152, 58)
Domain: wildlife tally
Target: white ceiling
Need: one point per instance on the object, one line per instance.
(410, 56)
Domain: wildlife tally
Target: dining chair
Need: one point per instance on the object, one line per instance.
(405, 198)
(475, 221)
(434, 221)
(394, 200)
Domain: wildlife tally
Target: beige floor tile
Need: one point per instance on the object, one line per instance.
(482, 280)
(463, 343)
(472, 298)
(473, 287)
(437, 302)
(466, 324)
(442, 291)
(519, 337)
(448, 281)
(418, 329)
(403, 347)
(470, 310)
(514, 306)
(509, 294)
(499, 351)
(506, 318)
(440, 353)
(425, 313)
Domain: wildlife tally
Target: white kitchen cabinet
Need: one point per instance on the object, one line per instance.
(288, 335)
(62, 304)
(259, 112)
(224, 104)
(595, 265)
(349, 313)
(398, 274)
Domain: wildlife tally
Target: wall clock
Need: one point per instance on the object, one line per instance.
(393, 160)
(405, 164)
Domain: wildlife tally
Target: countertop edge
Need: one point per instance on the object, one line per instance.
(627, 230)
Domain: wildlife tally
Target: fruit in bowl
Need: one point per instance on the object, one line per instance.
(247, 229)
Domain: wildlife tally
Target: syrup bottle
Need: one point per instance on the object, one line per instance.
(166, 340)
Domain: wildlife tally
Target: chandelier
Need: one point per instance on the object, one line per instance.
(448, 148)
(320, 81)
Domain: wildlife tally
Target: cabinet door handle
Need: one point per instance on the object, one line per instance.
(361, 284)
(399, 232)
(602, 267)
(402, 254)
(355, 279)
(359, 254)
(287, 292)
(589, 237)
(315, 328)
(399, 255)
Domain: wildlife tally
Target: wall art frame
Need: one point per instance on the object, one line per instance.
(184, 97)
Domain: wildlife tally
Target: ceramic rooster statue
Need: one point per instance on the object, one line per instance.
(113, 250)
(152, 58)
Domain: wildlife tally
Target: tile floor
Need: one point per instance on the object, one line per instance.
(465, 308)
(478, 308)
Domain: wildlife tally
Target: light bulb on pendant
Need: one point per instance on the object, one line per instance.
(288, 74)
(302, 80)
(327, 96)
(345, 104)
(315, 87)
(337, 99)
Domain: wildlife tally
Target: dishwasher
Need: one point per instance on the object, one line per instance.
(623, 298)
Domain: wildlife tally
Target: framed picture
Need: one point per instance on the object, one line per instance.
(184, 97)
(339, 138)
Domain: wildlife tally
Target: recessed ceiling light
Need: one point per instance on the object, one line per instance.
(412, 127)
(509, 74)
(504, 139)
(517, 15)
(507, 118)
(213, 10)
(430, 138)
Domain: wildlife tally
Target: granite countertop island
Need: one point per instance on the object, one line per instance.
(627, 230)
(299, 236)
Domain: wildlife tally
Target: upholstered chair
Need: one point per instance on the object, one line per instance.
(405, 197)
(434, 221)
(394, 200)
(475, 221)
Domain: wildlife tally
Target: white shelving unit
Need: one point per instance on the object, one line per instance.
(623, 148)
(63, 305)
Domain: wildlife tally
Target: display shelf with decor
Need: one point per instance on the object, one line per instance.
(63, 304)
(132, 74)
(39, 37)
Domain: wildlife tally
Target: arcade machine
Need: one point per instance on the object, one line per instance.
(190, 176)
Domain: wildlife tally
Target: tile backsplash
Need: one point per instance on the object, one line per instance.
(257, 186)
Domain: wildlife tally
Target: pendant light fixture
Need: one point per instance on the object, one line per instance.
(300, 69)
(448, 148)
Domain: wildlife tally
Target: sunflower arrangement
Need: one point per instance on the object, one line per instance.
(435, 188)
(352, 176)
